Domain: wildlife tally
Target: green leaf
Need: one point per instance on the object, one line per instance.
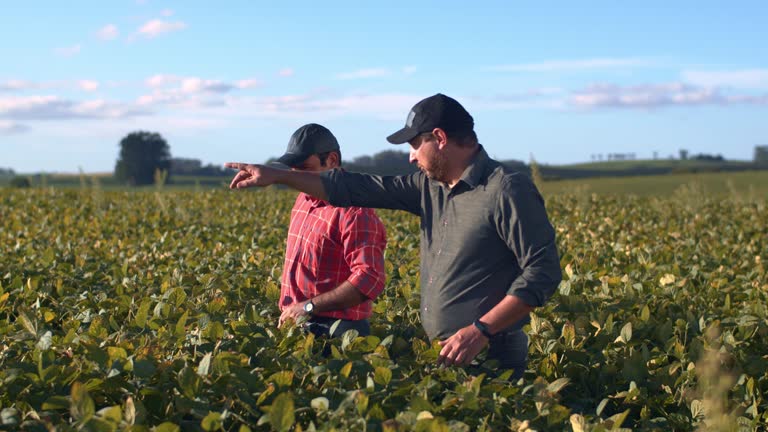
(113, 413)
(99, 425)
(56, 403)
(601, 406)
(281, 414)
(181, 325)
(618, 419)
(626, 332)
(212, 422)
(46, 340)
(697, 409)
(204, 366)
(557, 385)
(346, 370)
(82, 407)
(382, 376)
(143, 313)
(28, 323)
(282, 378)
(189, 382)
(645, 314)
(167, 427)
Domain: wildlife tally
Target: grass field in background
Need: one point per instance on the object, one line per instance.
(739, 184)
(744, 184)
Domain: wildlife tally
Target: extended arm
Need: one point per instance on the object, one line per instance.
(340, 188)
(250, 175)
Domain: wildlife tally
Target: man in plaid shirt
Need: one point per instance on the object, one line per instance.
(334, 257)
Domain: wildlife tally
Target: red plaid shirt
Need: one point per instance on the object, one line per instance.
(328, 245)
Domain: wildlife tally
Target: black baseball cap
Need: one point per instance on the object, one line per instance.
(308, 140)
(438, 111)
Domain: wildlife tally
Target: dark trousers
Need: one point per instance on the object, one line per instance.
(321, 326)
(510, 349)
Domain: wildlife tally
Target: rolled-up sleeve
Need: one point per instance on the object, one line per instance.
(345, 189)
(521, 220)
(364, 240)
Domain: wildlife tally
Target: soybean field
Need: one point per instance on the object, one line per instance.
(157, 310)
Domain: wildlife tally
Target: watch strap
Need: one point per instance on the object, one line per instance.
(483, 328)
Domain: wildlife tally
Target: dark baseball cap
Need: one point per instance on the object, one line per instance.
(438, 111)
(308, 140)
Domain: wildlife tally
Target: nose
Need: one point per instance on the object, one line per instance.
(412, 156)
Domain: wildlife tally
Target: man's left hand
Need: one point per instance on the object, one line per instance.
(462, 347)
(292, 312)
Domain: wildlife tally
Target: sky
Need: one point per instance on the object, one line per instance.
(230, 81)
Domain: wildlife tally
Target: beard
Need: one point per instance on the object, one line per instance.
(438, 169)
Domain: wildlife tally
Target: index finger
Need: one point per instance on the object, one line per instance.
(235, 165)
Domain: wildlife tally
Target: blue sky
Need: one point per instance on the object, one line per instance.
(231, 81)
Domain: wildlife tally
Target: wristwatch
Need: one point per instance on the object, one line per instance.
(309, 307)
(480, 326)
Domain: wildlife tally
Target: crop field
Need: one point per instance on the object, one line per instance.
(158, 310)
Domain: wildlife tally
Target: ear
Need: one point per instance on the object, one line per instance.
(333, 160)
(441, 137)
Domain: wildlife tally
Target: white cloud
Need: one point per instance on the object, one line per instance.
(88, 85)
(286, 72)
(364, 73)
(15, 85)
(248, 83)
(53, 108)
(565, 65)
(108, 32)
(166, 12)
(161, 80)
(68, 51)
(743, 79)
(156, 27)
(197, 85)
(11, 128)
(658, 95)
(389, 106)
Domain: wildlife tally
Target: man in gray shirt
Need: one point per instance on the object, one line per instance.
(488, 252)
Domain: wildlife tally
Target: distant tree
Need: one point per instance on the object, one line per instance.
(181, 166)
(707, 157)
(655, 155)
(683, 154)
(141, 154)
(7, 172)
(761, 155)
(20, 182)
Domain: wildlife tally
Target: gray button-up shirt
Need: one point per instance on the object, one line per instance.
(487, 237)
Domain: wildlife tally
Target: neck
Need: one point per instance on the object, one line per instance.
(463, 157)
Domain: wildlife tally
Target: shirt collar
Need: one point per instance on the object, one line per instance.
(474, 172)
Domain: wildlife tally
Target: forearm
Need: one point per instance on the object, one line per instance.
(341, 297)
(307, 182)
(508, 311)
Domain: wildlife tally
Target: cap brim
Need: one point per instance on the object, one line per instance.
(403, 135)
(292, 159)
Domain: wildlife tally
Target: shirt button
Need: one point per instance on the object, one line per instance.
(430, 279)
(445, 222)
(426, 308)
(439, 251)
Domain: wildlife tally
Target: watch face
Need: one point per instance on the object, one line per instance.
(309, 307)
